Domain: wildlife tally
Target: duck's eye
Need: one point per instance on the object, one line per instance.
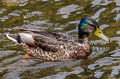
(90, 24)
(100, 32)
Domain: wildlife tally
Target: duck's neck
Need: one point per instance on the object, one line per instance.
(83, 40)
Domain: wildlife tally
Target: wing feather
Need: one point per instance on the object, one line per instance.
(47, 41)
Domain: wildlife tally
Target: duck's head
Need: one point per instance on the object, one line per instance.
(89, 26)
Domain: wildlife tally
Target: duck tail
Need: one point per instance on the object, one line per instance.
(15, 38)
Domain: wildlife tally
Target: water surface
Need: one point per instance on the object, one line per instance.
(61, 16)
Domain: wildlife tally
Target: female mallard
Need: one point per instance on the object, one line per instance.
(52, 46)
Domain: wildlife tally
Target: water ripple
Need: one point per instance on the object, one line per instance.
(67, 10)
(61, 16)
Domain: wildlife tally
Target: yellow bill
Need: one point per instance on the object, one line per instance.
(99, 33)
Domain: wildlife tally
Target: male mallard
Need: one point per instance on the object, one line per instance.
(52, 46)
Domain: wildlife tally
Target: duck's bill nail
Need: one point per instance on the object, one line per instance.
(99, 33)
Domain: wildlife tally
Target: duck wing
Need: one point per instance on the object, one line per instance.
(54, 35)
(47, 41)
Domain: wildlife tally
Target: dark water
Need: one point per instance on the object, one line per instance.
(60, 16)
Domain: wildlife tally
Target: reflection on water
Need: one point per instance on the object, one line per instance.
(67, 10)
(117, 18)
(60, 16)
(14, 2)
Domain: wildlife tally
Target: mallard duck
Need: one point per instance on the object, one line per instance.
(53, 46)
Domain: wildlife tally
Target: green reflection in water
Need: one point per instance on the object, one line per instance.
(58, 14)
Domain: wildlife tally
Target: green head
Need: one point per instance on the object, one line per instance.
(88, 26)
